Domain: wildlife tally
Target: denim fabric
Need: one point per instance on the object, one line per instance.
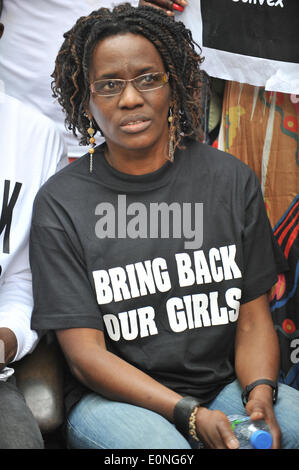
(98, 423)
(18, 428)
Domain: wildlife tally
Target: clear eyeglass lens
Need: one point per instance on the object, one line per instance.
(149, 81)
(108, 87)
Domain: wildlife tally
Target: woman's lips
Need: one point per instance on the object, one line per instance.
(135, 124)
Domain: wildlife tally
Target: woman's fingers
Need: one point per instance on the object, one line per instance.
(215, 429)
(227, 435)
(168, 6)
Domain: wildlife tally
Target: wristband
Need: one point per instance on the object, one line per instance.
(182, 414)
(248, 388)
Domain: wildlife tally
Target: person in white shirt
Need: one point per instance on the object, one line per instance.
(33, 36)
(30, 149)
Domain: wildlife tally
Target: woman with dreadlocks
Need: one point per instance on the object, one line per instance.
(151, 249)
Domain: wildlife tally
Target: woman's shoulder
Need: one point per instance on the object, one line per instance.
(219, 162)
(213, 154)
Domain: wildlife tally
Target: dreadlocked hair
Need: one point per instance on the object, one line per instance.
(172, 40)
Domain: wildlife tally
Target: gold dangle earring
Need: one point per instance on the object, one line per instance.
(92, 140)
(171, 136)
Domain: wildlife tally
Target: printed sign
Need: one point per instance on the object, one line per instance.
(248, 41)
(259, 28)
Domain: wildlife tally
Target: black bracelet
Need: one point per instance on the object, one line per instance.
(182, 412)
(248, 388)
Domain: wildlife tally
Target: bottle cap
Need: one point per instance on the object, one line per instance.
(261, 439)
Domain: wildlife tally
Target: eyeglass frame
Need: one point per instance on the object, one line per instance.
(125, 82)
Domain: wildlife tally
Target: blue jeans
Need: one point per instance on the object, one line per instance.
(98, 423)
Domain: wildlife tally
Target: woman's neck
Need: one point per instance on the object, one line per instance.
(136, 162)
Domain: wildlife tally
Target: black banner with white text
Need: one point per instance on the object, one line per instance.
(261, 28)
(248, 41)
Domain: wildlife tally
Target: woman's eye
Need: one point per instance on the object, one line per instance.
(110, 85)
(148, 78)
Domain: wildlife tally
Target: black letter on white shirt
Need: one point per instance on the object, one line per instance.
(6, 213)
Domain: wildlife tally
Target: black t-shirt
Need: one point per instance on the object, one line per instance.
(160, 262)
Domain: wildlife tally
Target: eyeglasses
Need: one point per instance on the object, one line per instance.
(115, 86)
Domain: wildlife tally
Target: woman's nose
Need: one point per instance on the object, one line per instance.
(130, 97)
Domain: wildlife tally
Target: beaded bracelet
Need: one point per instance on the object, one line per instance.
(192, 424)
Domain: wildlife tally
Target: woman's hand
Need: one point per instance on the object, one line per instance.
(166, 5)
(260, 406)
(214, 429)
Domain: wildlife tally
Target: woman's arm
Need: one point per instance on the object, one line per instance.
(114, 378)
(257, 357)
(110, 376)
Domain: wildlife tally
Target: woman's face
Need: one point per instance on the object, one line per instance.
(132, 120)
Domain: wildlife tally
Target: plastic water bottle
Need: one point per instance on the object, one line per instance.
(251, 434)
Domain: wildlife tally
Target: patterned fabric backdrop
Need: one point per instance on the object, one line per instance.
(262, 129)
